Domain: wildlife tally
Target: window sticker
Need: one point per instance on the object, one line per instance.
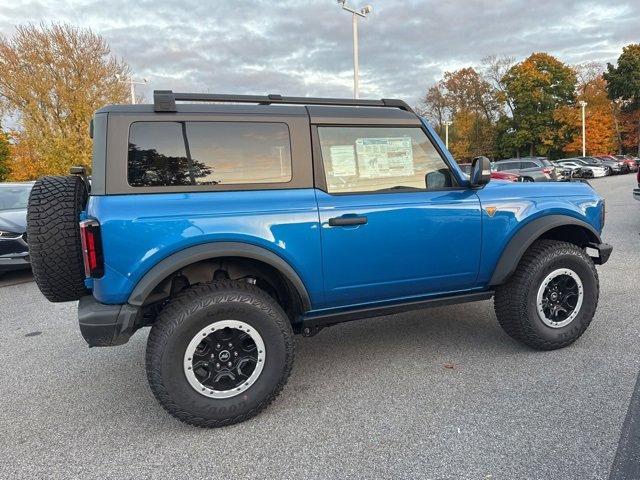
(343, 161)
(384, 157)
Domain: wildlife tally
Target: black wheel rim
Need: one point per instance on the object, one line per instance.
(560, 297)
(224, 359)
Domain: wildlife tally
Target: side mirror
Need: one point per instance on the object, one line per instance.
(438, 179)
(480, 172)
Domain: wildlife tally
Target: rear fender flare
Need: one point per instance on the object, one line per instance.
(207, 251)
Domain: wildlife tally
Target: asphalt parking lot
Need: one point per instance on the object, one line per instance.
(370, 399)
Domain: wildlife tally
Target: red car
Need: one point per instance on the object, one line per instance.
(511, 177)
(628, 160)
(624, 166)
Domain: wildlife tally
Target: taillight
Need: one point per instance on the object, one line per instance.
(91, 248)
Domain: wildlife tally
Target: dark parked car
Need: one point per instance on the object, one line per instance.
(531, 169)
(14, 253)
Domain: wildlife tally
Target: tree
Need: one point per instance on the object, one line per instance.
(601, 136)
(471, 103)
(536, 87)
(623, 85)
(52, 79)
(5, 154)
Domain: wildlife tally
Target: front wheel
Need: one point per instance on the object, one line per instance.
(551, 298)
(219, 353)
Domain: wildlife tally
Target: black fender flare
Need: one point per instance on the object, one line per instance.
(522, 240)
(206, 251)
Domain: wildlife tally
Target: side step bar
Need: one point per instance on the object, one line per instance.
(311, 324)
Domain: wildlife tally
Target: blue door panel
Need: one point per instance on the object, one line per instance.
(413, 243)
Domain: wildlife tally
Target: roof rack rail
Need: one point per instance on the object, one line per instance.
(165, 100)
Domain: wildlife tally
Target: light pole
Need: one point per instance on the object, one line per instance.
(446, 132)
(132, 85)
(363, 12)
(583, 104)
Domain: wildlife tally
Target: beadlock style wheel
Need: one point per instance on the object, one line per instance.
(224, 359)
(559, 298)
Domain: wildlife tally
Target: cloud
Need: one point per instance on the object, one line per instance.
(305, 47)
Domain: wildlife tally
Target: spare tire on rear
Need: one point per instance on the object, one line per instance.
(53, 234)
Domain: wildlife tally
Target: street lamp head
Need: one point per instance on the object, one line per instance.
(582, 103)
(366, 9)
(341, 2)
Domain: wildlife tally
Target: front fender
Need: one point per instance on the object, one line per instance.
(526, 235)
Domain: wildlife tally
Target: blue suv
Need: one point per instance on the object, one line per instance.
(228, 226)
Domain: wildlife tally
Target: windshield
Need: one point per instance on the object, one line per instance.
(14, 197)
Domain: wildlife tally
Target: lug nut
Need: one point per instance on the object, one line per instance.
(229, 363)
(217, 365)
(230, 345)
(235, 353)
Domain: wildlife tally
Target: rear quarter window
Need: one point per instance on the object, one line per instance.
(208, 153)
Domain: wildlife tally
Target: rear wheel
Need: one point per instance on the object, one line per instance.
(53, 234)
(219, 353)
(551, 298)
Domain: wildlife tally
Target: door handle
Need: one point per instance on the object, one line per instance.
(347, 220)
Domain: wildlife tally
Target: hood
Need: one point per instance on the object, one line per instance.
(13, 220)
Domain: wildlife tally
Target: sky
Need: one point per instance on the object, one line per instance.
(305, 47)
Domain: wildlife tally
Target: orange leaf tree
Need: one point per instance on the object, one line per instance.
(52, 79)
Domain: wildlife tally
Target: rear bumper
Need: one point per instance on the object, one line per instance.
(104, 325)
(604, 252)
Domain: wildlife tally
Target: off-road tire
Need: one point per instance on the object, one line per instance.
(515, 301)
(185, 315)
(53, 234)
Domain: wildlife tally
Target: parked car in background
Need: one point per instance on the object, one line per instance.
(531, 169)
(585, 170)
(511, 177)
(596, 162)
(562, 173)
(624, 167)
(628, 160)
(614, 165)
(636, 191)
(14, 252)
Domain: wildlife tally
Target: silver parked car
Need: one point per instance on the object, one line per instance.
(532, 169)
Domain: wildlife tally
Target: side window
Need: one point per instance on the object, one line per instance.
(508, 166)
(370, 159)
(529, 165)
(208, 153)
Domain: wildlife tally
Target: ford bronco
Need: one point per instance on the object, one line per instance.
(228, 223)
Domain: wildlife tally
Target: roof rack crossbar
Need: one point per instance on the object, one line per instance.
(165, 100)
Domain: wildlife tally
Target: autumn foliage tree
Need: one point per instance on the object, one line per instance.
(5, 152)
(623, 85)
(600, 136)
(52, 79)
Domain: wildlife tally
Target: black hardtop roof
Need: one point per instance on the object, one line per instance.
(316, 108)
